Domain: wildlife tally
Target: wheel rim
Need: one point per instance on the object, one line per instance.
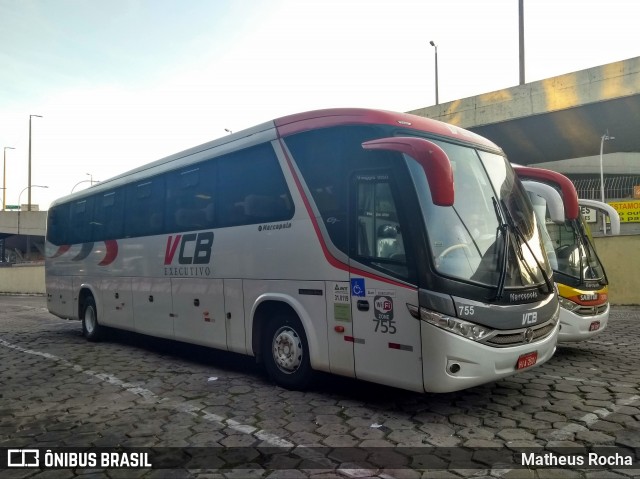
(287, 350)
(90, 319)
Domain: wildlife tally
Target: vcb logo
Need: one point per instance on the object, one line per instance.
(529, 318)
(195, 248)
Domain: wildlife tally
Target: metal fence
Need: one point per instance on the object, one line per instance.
(615, 187)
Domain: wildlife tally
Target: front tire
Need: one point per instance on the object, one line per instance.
(91, 329)
(286, 353)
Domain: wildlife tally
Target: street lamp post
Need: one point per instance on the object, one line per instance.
(29, 196)
(29, 188)
(521, 38)
(602, 140)
(4, 178)
(90, 180)
(436, 48)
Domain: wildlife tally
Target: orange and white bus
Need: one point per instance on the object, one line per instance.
(381, 246)
(579, 274)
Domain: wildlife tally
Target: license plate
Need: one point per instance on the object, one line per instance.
(527, 360)
(594, 326)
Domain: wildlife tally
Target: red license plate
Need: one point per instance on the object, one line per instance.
(594, 326)
(527, 360)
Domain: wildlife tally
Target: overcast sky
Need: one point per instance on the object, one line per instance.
(123, 82)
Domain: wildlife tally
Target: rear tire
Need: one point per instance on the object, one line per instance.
(91, 329)
(286, 353)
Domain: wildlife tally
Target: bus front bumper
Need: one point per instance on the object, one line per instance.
(575, 327)
(452, 363)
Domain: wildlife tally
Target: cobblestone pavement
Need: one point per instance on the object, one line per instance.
(58, 390)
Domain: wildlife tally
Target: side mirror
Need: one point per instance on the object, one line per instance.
(551, 196)
(614, 217)
(569, 194)
(432, 158)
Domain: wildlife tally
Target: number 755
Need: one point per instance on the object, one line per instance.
(385, 326)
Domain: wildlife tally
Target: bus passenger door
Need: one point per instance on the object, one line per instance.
(198, 311)
(387, 345)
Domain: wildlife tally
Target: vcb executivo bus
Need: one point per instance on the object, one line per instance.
(579, 274)
(376, 245)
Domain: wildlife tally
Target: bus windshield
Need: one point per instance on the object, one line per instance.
(490, 235)
(575, 255)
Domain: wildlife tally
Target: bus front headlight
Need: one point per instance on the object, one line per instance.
(458, 326)
(568, 304)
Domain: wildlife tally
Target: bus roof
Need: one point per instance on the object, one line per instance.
(309, 120)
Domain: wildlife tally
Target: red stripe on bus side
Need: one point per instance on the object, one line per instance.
(112, 253)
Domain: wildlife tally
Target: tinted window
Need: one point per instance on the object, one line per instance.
(377, 230)
(58, 225)
(191, 198)
(251, 188)
(145, 207)
(108, 218)
(326, 158)
(81, 219)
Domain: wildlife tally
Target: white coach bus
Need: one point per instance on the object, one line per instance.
(583, 287)
(381, 246)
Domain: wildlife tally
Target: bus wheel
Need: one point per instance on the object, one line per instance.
(286, 353)
(90, 327)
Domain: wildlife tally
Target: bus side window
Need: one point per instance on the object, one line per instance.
(252, 189)
(108, 215)
(58, 225)
(379, 234)
(145, 207)
(81, 213)
(191, 198)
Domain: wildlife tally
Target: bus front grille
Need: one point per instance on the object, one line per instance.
(521, 336)
(591, 310)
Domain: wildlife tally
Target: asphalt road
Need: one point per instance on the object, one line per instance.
(197, 412)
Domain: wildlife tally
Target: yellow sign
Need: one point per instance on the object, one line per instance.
(629, 211)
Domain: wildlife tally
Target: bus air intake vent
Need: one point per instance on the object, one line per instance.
(519, 336)
(590, 310)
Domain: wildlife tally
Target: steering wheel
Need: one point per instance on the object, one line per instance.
(451, 248)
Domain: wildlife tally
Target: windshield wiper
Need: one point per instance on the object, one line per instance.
(503, 229)
(584, 243)
(521, 239)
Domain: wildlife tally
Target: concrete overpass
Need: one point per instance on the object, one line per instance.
(22, 235)
(31, 223)
(560, 120)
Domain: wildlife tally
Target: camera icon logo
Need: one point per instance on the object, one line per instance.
(23, 458)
